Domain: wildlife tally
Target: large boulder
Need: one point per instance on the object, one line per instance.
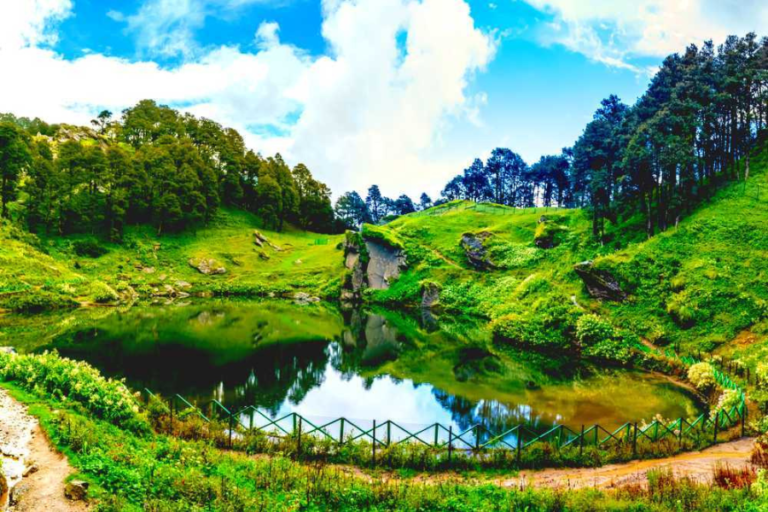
(548, 233)
(371, 264)
(430, 295)
(600, 283)
(474, 247)
(384, 264)
(76, 490)
(207, 266)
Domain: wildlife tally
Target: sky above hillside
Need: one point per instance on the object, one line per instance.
(403, 93)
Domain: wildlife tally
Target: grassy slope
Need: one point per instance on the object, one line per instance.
(302, 264)
(704, 282)
(28, 277)
(697, 285)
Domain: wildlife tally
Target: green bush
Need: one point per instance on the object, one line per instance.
(40, 300)
(702, 376)
(88, 248)
(729, 399)
(49, 375)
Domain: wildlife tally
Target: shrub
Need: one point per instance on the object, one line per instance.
(41, 300)
(702, 376)
(52, 376)
(591, 329)
(88, 248)
(729, 399)
(762, 375)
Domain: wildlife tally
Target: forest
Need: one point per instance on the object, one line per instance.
(656, 160)
(702, 112)
(153, 166)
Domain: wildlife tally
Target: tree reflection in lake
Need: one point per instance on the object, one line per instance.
(380, 364)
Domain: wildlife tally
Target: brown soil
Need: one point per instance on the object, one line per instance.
(26, 451)
(698, 466)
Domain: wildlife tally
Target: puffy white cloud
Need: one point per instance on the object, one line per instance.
(27, 22)
(167, 27)
(615, 31)
(374, 109)
(371, 111)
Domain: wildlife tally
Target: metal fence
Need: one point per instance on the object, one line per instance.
(476, 438)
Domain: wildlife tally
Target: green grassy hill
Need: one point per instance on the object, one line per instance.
(698, 284)
(152, 265)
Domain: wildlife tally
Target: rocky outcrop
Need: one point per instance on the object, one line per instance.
(76, 490)
(474, 247)
(384, 264)
(549, 232)
(430, 295)
(207, 266)
(261, 241)
(304, 298)
(371, 264)
(600, 283)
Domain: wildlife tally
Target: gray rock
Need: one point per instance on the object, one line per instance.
(304, 298)
(76, 490)
(474, 248)
(207, 266)
(384, 265)
(600, 283)
(430, 295)
(7, 350)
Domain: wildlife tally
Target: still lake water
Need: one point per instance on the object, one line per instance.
(325, 363)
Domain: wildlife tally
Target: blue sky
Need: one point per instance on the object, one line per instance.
(404, 93)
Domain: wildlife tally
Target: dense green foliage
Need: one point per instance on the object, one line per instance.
(692, 130)
(50, 376)
(154, 166)
(158, 472)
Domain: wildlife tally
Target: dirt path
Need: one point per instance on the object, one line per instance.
(34, 471)
(698, 466)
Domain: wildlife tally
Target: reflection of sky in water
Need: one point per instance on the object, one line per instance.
(386, 399)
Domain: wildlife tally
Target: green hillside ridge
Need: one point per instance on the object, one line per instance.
(698, 284)
(146, 264)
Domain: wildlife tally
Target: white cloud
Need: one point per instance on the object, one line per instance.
(27, 22)
(616, 31)
(371, 111)
(167, 28)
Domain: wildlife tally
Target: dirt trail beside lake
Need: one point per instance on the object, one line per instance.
(698, 466)
(34, 470)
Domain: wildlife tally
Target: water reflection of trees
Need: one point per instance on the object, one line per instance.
(161, 350)
(492, 414)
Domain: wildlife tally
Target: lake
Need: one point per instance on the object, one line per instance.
(324, 362)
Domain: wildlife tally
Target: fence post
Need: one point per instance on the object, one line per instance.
(519, 453)
(374, 443)
(231, 427)
(298, 439)
(717, 425)
(634, 442)
(477, 438)
(341, 432)
(389, 433)
(560, 437)
(743, 417)
(437, 426)
(581, 442)
(450, 443)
